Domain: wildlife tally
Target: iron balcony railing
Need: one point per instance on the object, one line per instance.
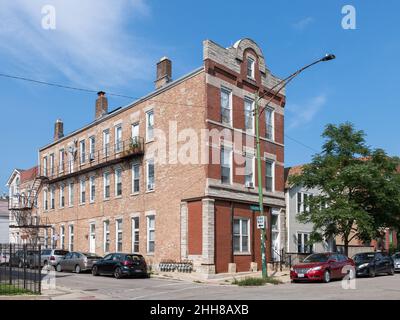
(79, 161)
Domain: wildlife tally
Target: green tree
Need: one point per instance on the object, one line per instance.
(360, 188)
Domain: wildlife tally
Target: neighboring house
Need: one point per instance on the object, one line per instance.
(20, 185)
(298, 234)
(106, 190)
(3, 219)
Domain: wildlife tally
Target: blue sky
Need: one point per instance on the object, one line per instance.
(113, 45)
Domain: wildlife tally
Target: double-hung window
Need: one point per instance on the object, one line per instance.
(118, 233)
(82, 191)
(149, 125)
(61, 161)
(250, 67)
(92, 188)
(71, 194)
(118, 139)
(151, 229)
(303, 245)
(269, 123)
(135, 178)
(52, 200)
(249, 115)
(241, 238)
(302, 202)
(135, 234)
(269, 175)
(106, 143)
(226, 165)
(45, 201)
(249, 171)
(82, 147)
(52, 164)
(92, 148)
(226, 106)
(71, 238)
(106, 184)
(150, 175)
(118, 182)
(106, 236)
(62, 196)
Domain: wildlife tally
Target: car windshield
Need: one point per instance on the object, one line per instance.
(396, 256)
(317, 258)
(92, 256)
(364, 257)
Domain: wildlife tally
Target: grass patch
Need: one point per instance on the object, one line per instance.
(10, 290)
(256, 281)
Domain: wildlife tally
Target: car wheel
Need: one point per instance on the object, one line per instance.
(117, 273)
(95, 271)
(372, 272)
(77, 269)
(58, 268)
(327, 276)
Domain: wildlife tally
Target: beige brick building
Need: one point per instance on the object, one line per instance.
(113, 187)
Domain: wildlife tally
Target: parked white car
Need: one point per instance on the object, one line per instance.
(4, 258)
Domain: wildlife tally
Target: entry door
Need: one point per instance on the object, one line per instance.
(275, 235)
(92, 238)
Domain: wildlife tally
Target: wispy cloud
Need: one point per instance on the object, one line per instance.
(303, 23)
(305, 113)
(90, 46)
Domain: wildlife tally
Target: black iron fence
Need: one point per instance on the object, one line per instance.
(20, 271)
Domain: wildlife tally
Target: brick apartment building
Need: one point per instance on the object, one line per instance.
(107, 190)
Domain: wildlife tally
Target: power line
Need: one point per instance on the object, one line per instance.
(57, 85)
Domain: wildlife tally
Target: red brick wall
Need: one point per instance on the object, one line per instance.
(195, 227)
(223, 236)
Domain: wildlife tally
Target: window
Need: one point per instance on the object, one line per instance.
(241, 239)
(118, 233)
(52, 200)
(46, 239)
(82, 148)
(249, 171)
(250, 67)
(269, 123)
(92, 188)
(61, 161)
(92, 148)
(135, 177)
(62, 197)
(118, 139)
(226, 106)
(82, 191)
(45, 166)
(118, 182)
(92, 237)
(302, 202)
(269, 175)
(150, 174)
(45, 201)
(71, 194)
(106, 143)
(226, 165)
(135, 130)
(149, 125)
(151, 220)
(106, 183)
(106, 236)
(52, 164)
(62, 237)
(71, 238)
(303, 245)
(135, 234)
(249, 114)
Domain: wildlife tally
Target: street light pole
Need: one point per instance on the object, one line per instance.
(257, 113)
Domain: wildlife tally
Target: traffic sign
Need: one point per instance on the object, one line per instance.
(261, 222)
(255, 208)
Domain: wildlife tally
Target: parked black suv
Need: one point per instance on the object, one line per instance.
(372, 263)
(120, 265)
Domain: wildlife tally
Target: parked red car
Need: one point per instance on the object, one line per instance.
(322, 267)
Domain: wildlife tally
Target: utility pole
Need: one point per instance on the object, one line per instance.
(275, 90)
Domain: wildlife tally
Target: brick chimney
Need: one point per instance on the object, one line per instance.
(164, 72)
(101, 104)
(58, 129)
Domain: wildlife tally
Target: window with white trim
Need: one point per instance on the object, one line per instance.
(241, 235)
(92, 188)
(118, 182)
(135, 234)
(106, 185)
(62, 237)
(71, 194)
(249, 170)
(45, 201)
(249, 115)
(71, 237)
(150, 179)
(226, 165)
(149, 125)
(82, 150)
(135, 130)
(151, 229)
(61, 162)
(62, 196)
(135, 177)
(250, 67)
(302, 202)
(118, 138)
(106, 143)
(269, 175)
(106, 236)
(82, 191)
(45, 173)
(52, 164)
(226, 106)
(118, 234)
(303, 245)
(92, 148)
(269, 123)
(52, 200)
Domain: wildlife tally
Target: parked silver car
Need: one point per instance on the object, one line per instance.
(51, 257)
(77, 262)
(396, 259)
(4, 258)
